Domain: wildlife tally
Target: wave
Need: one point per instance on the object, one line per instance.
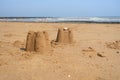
(60, 19)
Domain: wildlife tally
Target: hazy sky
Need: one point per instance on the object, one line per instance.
(59, 8)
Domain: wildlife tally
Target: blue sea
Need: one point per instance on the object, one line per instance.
(62, 19)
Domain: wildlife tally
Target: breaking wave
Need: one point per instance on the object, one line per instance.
(59, 19)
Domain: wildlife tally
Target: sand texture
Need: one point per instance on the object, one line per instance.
(94, 53)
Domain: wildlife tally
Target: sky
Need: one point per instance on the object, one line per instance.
(59, 8)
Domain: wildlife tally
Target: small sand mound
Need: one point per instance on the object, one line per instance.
(18, 44)
(2, 63)
(64, 35)
(113, 45)
(8, 35)
(89, 49)
(3, 44)
(38, 42)
(25, 56)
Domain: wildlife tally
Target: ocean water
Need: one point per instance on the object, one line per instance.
(62, 19)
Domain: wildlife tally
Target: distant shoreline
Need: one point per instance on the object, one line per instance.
(89, 22)
(108, 20)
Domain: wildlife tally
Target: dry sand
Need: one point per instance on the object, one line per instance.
(95, 54)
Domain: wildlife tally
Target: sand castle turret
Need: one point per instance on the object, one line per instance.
(65, 35)
(30, 41)
(38, 42)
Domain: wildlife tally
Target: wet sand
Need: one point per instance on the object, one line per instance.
(94, 55)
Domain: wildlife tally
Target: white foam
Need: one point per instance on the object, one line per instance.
(85, 19)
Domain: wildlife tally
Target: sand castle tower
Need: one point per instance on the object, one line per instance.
(38, 42)
(30, 41)
(65, 35)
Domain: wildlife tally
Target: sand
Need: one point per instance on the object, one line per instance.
(94, 55)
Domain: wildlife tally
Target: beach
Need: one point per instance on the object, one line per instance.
(94, 55)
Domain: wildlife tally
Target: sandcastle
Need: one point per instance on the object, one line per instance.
(37, 42)
(65, 35)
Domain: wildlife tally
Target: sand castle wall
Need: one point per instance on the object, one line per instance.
(37, 42)
(64, 35)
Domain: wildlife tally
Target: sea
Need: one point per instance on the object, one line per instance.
(110, 19)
